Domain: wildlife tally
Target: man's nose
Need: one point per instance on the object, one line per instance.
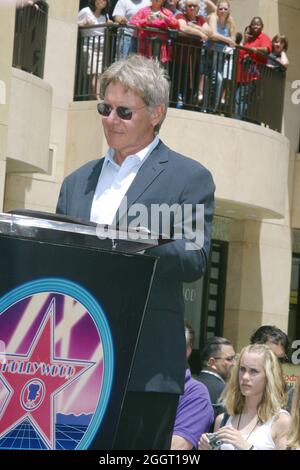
(113, 117)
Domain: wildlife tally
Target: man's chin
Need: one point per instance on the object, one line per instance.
(114, 140)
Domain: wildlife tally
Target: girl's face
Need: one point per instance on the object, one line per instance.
(223, 10)
(100, 4)
(278, 46)
(252, 377)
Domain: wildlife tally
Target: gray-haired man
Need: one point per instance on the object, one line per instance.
(140, 168)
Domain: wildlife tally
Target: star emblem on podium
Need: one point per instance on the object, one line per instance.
(30, 383)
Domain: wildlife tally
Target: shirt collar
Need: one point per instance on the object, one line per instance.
(213, 373)
(141, 154)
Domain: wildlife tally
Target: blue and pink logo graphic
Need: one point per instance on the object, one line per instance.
(56, 366)
(33, 394)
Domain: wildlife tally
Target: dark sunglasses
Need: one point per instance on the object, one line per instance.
(122, 111)
(228, 358)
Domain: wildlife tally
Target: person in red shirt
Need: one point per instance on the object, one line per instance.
(257, 47)
(154, 16)
(258, 41)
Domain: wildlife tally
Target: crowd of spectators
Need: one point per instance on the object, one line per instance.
(200, 59)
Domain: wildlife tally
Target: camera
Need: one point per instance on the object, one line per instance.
(214, 442)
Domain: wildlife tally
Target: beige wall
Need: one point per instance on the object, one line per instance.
(60, 71)
(29, 123)
(243, 11)
(85, 138)
(249, 163)
(296, 195)
(7, 19)
(35, 191)
(258, 279)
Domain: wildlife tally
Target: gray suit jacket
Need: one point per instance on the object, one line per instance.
(165, 177)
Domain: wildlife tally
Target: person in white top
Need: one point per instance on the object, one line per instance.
(122, 14)
(294, 434)
(254, 399)
(93, 38)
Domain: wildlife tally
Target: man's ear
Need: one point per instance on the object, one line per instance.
(211, 363)
(157, 114)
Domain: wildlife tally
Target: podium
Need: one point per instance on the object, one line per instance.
(72, 301)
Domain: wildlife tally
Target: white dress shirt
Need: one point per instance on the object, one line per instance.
(114, 182)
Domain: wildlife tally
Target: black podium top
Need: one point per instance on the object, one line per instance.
(65, 230)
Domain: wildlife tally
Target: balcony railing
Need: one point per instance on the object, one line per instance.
(30, 37)
(237, 84)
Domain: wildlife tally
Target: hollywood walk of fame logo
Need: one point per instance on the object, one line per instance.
(32, 395)
(44, 377)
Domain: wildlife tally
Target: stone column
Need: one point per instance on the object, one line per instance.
(258, 279)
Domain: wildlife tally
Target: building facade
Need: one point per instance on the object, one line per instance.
(254, 273)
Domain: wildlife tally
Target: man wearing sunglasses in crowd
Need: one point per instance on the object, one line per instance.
(217, 360)
(140, 168)
(279, 342)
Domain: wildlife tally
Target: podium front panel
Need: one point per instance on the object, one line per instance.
(69, 322)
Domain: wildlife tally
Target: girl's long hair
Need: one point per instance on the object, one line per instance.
(229, 19)
(274, 396)
(294, 435)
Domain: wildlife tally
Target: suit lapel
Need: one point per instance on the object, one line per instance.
(89, 192)
(148, 172)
